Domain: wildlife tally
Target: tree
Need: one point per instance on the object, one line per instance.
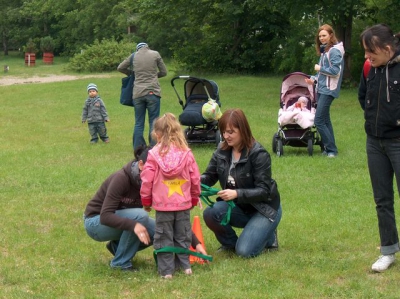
(8, 23)
(342, 15)
(219, 36)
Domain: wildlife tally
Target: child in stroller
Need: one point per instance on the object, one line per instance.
(296, 115)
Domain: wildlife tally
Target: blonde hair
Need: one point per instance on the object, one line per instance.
(168, 131)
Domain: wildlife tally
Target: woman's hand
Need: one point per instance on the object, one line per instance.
(142, 233)
(200, 249)
(227, 194)
(317, 67)
(147, 209)
(309, 81)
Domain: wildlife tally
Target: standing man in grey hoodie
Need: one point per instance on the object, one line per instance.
(148, 66)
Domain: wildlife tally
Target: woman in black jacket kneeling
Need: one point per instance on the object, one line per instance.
(243, 168)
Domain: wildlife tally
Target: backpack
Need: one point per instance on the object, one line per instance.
(366, 68)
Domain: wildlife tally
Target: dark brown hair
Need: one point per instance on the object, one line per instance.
(378, 37)
(141, 153)
(235, 118)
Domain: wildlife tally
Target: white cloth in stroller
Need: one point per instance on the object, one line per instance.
(295, 114)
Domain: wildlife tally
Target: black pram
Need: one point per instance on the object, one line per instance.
(197, 92)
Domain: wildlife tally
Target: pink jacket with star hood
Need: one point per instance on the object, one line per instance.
(170, 182)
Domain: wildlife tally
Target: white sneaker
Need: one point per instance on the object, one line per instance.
(383, 263)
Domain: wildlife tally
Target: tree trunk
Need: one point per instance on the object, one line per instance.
(343, 33)
(5, 43)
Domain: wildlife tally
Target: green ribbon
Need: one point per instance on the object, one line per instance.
(180, 250)
(207, 191)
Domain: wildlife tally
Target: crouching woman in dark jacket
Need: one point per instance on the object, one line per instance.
(243, 168)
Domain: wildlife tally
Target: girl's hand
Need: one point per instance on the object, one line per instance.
(227, 194)
(147, 209)
(317, 67)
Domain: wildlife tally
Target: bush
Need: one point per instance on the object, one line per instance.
(47, 44)
(30, 47)
(102, 56)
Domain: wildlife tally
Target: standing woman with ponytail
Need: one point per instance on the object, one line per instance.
(379, 96)
(328, 81)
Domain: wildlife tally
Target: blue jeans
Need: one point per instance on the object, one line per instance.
(150, 102)
(323, 123)
(383, 163)
(257, 234)
(124, 242)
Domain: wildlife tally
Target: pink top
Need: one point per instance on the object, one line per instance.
(170, 182)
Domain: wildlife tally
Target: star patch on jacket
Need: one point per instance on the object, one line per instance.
(174, 186)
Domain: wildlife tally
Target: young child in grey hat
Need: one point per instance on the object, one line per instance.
(95, 113)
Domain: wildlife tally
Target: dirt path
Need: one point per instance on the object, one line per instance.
(50, 78)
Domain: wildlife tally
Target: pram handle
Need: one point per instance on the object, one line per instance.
(187, 77)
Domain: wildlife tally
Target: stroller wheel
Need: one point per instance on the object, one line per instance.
(310, 146)
(279, 147)
(218, 137)
(274, 142)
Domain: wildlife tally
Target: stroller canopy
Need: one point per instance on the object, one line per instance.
(294, 85)
(198, 86)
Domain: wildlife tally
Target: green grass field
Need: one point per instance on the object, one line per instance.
(48, 172)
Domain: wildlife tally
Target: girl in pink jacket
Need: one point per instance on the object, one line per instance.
(171, 185)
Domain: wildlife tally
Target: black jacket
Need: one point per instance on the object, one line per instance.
(379, 96)
(252, 175)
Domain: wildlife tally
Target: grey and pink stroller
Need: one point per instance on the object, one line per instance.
(296, 115)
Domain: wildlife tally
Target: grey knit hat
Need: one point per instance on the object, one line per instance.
(92, 86)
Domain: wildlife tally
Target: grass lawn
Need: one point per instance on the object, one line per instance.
(328, 235)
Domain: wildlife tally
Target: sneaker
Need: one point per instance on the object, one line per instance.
(168, 276)
(324, 153)
(383, 263)
(331, 155)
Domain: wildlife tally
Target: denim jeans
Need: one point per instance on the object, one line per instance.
(323, 123)
(383, 163)
(124, 242)
(150, 102)
(257, 234)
